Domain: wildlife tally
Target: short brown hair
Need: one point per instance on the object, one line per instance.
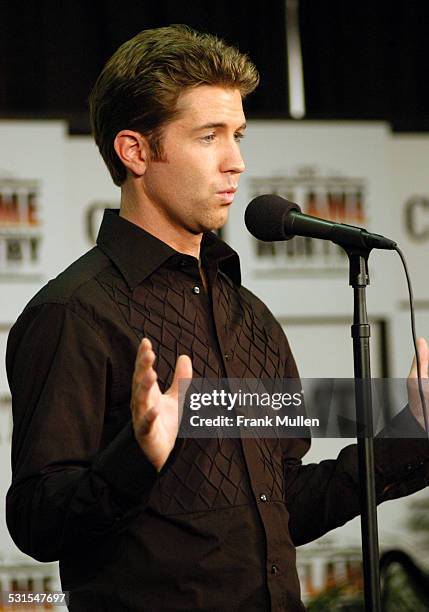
(139, 86)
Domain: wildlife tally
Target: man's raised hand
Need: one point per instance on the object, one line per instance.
(414, 400)
(155, 415)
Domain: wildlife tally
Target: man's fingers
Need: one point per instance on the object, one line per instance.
(424, 357)
(423, 351)
(145, 391)
(145, 345)
(144, 360)
(147, 380)
(183, 371)
(146, 424)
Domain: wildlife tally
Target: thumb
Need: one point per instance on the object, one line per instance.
(183, 371)
(423, 351)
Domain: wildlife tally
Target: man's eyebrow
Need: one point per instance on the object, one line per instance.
(208, 126)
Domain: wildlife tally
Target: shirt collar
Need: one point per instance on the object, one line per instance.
(137, 253)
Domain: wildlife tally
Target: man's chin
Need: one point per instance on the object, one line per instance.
(216, 224)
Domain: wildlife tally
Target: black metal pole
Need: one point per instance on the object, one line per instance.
(359, 279)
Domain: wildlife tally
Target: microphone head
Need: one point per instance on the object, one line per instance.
(265, 217)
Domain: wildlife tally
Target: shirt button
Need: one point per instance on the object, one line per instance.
(182, 263)
(274, 569)
(263, 497)
(227, 356)
(196, 290)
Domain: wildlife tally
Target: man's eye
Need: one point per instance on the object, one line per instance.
(238, 136)
(208, 138)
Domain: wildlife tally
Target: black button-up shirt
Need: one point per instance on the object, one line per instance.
(216, 529)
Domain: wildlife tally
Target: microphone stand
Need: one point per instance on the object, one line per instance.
(359, 279)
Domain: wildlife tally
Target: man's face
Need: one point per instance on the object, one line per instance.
(194, 186)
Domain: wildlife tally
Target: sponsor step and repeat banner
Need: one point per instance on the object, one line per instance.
(53, 190)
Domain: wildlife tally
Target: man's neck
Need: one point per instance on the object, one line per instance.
(179, 243)
(153, 221)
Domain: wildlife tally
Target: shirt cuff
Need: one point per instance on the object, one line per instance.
(402, 448)
(126, 469)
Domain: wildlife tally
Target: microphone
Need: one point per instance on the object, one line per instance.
(270, 217)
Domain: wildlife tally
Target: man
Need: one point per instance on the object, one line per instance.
(140, 519)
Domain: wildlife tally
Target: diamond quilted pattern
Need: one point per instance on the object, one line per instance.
(207, 473)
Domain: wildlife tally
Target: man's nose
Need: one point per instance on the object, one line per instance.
(233, 160)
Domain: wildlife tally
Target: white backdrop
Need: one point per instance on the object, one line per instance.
(371, 174)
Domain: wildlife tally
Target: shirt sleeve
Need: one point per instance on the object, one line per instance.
(66, 484)
(332, 486)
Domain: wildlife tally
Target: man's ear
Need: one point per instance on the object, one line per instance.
(132, 149)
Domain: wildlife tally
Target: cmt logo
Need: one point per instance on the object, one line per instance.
(20, 236)
(416, 216)
(338, 198)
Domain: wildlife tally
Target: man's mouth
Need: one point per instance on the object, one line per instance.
(227, 195)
